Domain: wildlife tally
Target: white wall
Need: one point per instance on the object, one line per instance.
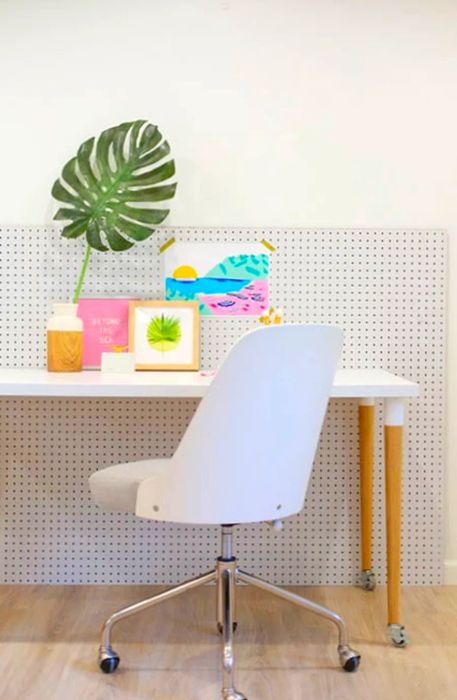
(290, 112)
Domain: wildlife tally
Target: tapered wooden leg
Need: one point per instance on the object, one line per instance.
(366, 452)
(394, 415)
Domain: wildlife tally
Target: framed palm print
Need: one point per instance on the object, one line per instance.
(164, 335)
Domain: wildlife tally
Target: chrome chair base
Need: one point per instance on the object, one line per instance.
(226, 575)
(233, 695)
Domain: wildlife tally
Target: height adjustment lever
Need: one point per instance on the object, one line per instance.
(275, 524)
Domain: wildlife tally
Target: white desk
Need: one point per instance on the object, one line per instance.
(364, 385)
(349, 383)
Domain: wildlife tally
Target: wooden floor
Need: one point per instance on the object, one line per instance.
(49, 639)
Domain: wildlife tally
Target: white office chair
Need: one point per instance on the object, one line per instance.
(246, 457)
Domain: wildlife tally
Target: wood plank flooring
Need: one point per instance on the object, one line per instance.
(49, 639)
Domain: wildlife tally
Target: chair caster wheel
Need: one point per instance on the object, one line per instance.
(398, 636)
(349, 659)
(108, 660)
(110, 664)
(352, 664)
(220, 629)
(368, 580)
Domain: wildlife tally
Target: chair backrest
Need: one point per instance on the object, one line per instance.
(248, 452)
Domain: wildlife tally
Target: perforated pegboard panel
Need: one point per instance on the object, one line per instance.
(385, 288)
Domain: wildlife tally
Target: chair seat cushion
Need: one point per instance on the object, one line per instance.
(115, 488)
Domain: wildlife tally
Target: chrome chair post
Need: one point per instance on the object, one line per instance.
(226, 555)
(219, 603)
(227, 542)
(227, 578)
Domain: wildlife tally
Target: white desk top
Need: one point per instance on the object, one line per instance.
(356, 383)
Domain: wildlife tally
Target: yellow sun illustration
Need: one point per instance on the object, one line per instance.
(185, 272)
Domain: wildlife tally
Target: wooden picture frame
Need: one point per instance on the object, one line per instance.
(164, 335)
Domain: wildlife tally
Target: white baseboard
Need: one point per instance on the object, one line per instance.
(450, 572)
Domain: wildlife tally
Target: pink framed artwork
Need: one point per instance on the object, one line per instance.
(106, 328)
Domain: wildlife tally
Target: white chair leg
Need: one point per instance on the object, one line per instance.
(108, 659)
(227, 573)
(349, 658)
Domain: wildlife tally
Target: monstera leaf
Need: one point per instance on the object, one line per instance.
(109, 186)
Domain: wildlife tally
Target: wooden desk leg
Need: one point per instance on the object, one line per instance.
(366, 453)
(394, 419)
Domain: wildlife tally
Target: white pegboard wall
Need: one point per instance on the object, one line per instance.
(385, 288)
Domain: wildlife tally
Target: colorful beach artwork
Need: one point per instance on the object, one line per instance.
(226, 279)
